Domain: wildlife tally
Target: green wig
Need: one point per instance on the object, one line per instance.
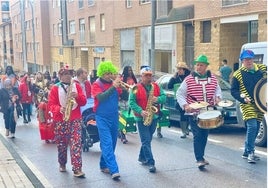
(106, 67)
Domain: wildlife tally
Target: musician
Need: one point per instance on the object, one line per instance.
(199, 86)
(105, 91)
(243, 83)
(146, 94)
(67, 131)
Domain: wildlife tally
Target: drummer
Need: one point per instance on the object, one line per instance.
(199, 86)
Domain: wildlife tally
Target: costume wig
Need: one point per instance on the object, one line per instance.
(106, 67)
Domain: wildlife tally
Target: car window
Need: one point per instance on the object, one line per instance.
(164, 82)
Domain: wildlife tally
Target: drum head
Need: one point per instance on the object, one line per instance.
(209, 114)
(198, 105)
(260, 95)
(225, 103)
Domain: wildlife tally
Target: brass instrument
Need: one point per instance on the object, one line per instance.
(150, 108)
(70, 103)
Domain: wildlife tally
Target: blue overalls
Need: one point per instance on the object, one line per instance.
(107, 119)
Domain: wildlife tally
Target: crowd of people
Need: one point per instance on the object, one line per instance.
(61, 99)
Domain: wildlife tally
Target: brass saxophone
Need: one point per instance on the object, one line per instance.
(70, 103)
(150, 108)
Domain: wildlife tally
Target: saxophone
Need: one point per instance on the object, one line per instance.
(150, 108)
(70, 103)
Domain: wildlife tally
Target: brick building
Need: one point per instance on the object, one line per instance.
(80, 33)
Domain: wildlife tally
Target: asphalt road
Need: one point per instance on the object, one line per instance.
(174, 157)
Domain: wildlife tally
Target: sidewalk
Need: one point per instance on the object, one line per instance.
(11, 174)
(14, 172)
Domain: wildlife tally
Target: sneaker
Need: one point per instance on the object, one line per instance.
(7, 132)
(245, 156)
(201, 164)
(251, 158)
(159, 135)
(183, 136)
(62, 168)
(152, 169)
(115, 176)
(79, 174)
(25, 121)
(124, 140)
(143, 161)
(12, 135)
(105, 170)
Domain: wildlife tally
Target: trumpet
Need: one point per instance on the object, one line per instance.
(125, 85)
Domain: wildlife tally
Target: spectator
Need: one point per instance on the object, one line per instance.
(225, 71)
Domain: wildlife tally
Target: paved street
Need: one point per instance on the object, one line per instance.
(174, 162)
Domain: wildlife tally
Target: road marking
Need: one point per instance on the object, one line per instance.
(257, 151)
(215, 141)
(209, 139)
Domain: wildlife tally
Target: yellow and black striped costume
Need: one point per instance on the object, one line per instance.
(244, 82)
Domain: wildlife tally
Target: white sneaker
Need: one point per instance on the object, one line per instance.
(12, 135)
(251, 158)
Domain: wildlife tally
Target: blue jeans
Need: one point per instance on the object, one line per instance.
(9, 119)
(146, 135)
(252, 131)
(200, 139)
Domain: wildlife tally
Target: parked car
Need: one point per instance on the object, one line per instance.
(229, 113)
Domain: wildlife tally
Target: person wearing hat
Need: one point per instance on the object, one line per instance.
(242, 89)
(106, 91)
(174, 82)
(67, 129)
(199, 86)
(138, 101)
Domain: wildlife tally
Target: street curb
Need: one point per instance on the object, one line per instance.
(32, 173)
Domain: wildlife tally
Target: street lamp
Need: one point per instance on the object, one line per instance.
(31, 2)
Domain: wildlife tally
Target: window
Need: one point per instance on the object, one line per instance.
(128, 3)
(82, 28)
(59, 29)
(58, 3)
(163, 8)
(226, 3)
(233, 2)
(81, 4)
(92, 29)
(91, 2)
(253, 31)
(72, 27)
(5, 6)
(206, 29)
(145, 1)
(102, 22)
(54, 29)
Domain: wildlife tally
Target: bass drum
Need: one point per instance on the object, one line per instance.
(260, 95)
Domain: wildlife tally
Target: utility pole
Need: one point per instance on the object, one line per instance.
(152, 62)
(24, 53)
(33, 31)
